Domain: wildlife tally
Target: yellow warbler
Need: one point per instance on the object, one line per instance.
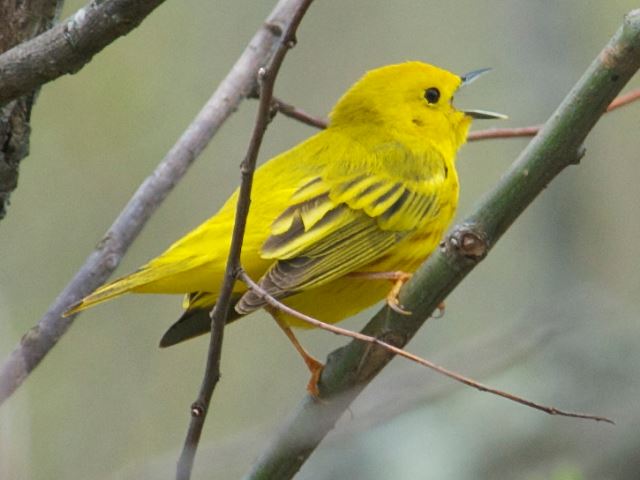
(374, 192)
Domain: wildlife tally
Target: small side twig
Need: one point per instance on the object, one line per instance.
(410, 356)
(511, 132)
(266, 81)
(291, 111)
(623, 100)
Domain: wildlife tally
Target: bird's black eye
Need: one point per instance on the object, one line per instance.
(432, 95)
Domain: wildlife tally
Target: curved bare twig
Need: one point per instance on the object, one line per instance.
(410, 356)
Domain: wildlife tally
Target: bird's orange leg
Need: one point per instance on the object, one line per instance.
(399, 278)
(314, 365)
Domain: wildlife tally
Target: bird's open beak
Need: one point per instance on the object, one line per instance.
(479, 114)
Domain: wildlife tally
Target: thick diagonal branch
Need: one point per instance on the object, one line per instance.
(559, 144)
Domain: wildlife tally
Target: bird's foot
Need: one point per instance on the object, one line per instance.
(315, 367)
(399, 278)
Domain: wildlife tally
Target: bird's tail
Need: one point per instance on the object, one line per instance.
(111, 290)
(196, 319)
(157, 276)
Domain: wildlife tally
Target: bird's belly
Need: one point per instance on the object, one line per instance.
(336, 300)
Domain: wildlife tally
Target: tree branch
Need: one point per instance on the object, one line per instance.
(20, 22)
(267, 74)
(558, 145)
(237, 85)
(68, 46)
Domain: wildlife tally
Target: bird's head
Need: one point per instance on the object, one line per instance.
(409, 101)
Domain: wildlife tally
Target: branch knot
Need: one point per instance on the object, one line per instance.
(197, 409)
(467, 241)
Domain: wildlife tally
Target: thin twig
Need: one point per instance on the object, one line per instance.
(70, 45)
(240, 81)
(414, 358)
(292, 111)
(513, 132)
(267, 76)
(623, 100)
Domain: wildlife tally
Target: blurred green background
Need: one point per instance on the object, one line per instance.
(552, 314)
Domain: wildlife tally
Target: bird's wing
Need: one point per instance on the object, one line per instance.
(337, 225)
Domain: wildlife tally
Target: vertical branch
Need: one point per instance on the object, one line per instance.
(266, 80)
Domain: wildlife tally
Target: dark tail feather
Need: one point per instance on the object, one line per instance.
(193, 323)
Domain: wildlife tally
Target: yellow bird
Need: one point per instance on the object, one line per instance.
(372, 193)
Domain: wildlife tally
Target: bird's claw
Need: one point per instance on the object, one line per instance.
(396, 307)
(315, 367)
(392, 298)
